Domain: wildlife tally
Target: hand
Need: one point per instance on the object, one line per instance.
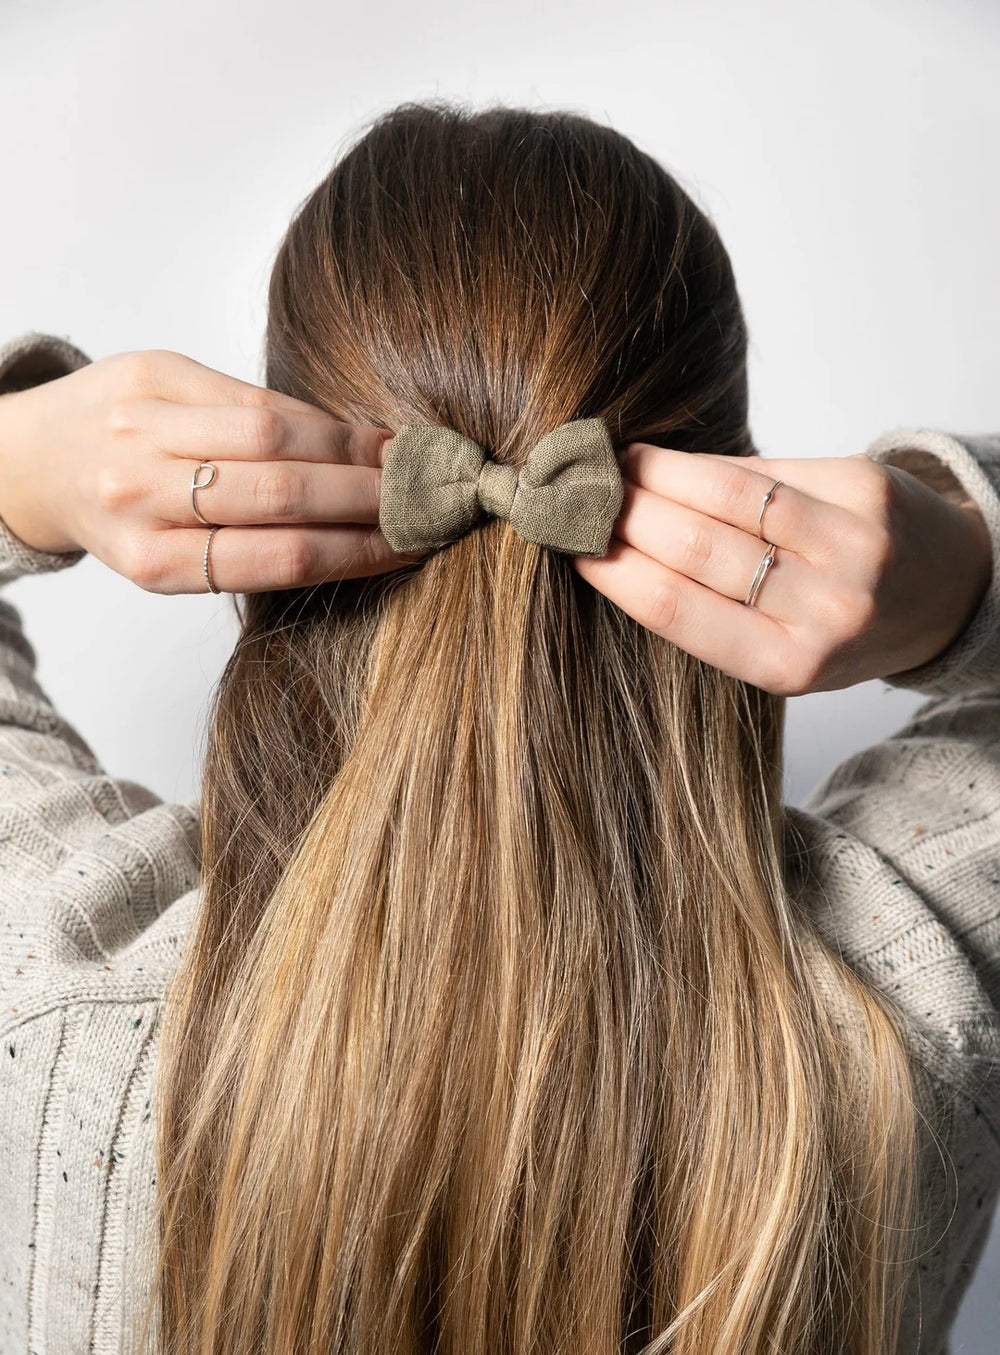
(874, 572)
(103, 458)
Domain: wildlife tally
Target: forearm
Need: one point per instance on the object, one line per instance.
(27, 544)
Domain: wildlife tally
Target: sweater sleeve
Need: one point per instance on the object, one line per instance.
(98, 889)
(903, 837)
(961, 467)
(29, 361)
(896, 858)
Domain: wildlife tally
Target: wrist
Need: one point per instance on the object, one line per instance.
(969, 584)
(22, 508)
(981, 562)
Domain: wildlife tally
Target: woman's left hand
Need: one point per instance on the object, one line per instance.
(102, 459)
(874, 572)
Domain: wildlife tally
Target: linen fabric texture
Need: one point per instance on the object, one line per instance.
(437, 484)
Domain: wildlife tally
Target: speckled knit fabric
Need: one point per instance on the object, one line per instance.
(896, 855)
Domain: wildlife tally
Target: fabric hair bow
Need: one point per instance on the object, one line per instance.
(436, 484)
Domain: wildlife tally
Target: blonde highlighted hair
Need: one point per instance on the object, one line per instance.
(498, 1032)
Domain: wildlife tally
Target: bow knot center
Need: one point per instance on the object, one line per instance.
(497, 487)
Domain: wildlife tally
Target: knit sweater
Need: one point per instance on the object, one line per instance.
(895, 855)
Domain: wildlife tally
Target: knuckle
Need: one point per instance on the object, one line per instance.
(695, 547)
(267, 431)
(357, 444)
(372, 488)
(367, 554)
(729, 489)
(865, 612)
(776, 679)
(277, 493)
(661, 608)
(345, 442)
(114, 489)
(294, 560)
(122, 417)
(851, 612)
(771, 672)
(877, 486)
(800, 673)
(374, 557)
(137, 370)
(256, 396)
(144, 565)
(793, 667)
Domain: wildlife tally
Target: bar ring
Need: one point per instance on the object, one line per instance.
(767, 560)
(767, 499)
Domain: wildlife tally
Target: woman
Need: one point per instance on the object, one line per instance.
(489, 1000)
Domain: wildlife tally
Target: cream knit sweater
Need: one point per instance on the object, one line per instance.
(896, 855)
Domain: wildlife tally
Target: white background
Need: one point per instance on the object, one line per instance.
(850, 154)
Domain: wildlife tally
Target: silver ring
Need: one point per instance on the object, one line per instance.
(767, 499)
(208, 546)
(767, 560)
(195, 486)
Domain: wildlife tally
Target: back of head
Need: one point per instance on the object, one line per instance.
(497, 1033)
(502, 272)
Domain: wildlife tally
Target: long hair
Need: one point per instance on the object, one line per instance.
(498, 1031)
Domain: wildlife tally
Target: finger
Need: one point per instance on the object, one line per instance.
(841, 480)
(259, 559)
(742, 641)
(711, 552)
(252, 433)
(245, 493)
(176, 377)
(733, 492)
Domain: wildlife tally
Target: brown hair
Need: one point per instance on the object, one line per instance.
(498, 1032)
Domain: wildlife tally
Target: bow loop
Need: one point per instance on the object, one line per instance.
(436, 484)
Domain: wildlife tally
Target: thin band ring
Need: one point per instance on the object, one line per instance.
(767, 560)
(208, 546)
(195, 486)
(767, 499)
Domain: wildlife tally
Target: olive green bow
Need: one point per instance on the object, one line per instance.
(436, 484)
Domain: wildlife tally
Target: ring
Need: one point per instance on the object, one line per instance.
(767, 560)
(767, 499)
(208, 546)
(195, 486)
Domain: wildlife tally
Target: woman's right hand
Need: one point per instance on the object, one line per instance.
(874, 572)
(102, 459)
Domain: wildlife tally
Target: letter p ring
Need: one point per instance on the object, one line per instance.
(767, 560)
(195, 486)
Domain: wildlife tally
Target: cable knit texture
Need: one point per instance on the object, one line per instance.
(896, 855)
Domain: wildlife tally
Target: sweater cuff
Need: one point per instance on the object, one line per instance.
(35, 358)
(30, 361)
(960, 466)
